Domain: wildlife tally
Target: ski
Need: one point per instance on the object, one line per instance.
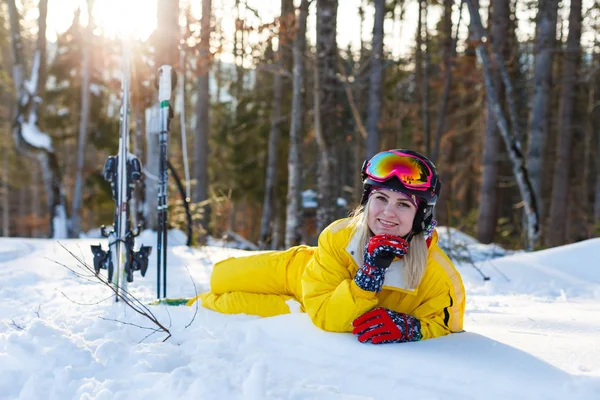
(119, 250)
(122, 171)
(166, 84)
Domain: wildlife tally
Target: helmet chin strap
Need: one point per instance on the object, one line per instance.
(409, 236)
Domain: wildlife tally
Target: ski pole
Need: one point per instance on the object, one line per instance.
(166, 83)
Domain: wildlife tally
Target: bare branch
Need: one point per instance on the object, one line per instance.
(122, 294)
(150, 334)
(16, 326)
(83, 304)
(195, 295)
(130, 324)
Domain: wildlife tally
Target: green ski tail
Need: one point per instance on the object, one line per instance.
(171, 302)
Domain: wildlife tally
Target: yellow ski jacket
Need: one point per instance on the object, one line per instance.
(322, 279)
(333, 300)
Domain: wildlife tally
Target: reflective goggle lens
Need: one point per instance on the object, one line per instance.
(411, 171)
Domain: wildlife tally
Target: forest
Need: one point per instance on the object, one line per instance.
(277, 105)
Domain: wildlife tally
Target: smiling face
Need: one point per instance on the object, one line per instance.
(390, 212)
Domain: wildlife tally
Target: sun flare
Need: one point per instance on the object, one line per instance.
(115, 18)
(132, 18)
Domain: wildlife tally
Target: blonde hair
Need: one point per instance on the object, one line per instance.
(415, 260)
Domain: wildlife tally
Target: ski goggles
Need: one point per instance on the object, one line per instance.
(412, 171)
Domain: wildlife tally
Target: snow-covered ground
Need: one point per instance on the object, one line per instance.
(532, 332)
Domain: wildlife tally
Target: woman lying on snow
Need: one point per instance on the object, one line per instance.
(379, 274)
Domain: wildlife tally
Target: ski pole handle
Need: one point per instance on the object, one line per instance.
(167, 79)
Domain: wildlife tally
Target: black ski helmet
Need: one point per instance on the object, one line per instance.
(427, 198)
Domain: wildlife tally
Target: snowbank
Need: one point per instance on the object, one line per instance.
(531, 333)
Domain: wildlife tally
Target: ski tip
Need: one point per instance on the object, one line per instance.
(167, 79)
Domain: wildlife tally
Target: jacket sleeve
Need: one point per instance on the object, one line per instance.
(443, 306)
(330, 296)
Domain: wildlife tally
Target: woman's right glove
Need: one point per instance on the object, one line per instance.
(378, 255)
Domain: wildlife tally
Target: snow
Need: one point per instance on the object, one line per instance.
(36, 138)
(309, 200)
(459, 245)
(63, 112)
(60, 222)
(232, 240)
(30, 85)
(95, 89)
(531, 332)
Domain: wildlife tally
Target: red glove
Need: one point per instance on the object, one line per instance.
(378, 255)
(381, 325)
(381, 249)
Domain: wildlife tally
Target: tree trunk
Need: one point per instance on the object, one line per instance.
(27, 135)
(278, 235)
(35, 198)
(23, 230)
(237, 90)
(326, 114)
(269, 209)
(270, 179)
(375, 81)
(18, 57)
(511, 142)
(359, 131)
(5, 191)
(597, 184)
(487, 219)
(6, 101)
(542, 83)
(75, 227)
(560, 185)
(201, 145)
(425, 83)
(238, 53)
(41, 48)
(419, 72)
(5, 198)
(293, 233)
(594, 115)
(448, 54)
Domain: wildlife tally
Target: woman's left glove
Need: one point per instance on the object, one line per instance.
(381, 325)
